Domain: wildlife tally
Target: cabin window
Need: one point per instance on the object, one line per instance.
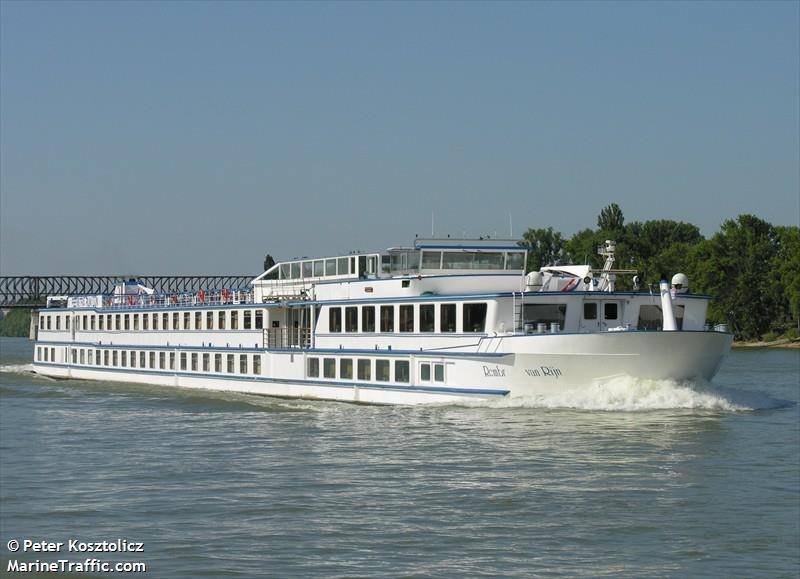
(152, 359)
(85, 323)
(346, 369)
(307, 269)
(589, 311)
(431, 260)
(135, 322)
(427, 318)
(145, 322)
(330, 267)
(259, 320)
(231, 363)
(58, 322)
(342, 268)
(406, 318)
(329, 367)
(256, 364)
(545, 314)
(285, 271)
(100, 320)
(172, 360)
(114, 358)
(175, 321)
(313, 367)
(187, 321)
(365, 369)
(382, 370)
(425, 372)
(66, 322)
(247, 319)
(209, 320)
(234, 320)
(447, 318)
(651, 318)
(133, 359)
(183, 360)
(217, 362)
(472, 260)
(45, 355)
(142, 360)
(351, 319)
(198, 320)
(438, 372)
(335, 320)
(610, 311)
(387, 319)
(97, 358)
(165, 321)
(105, 357)
(296, 270)
(319, 268)
(401, 373)
(47, 320)
(162, 360)
(194, 362)
(81, 356)
(367, 319)
(127, 321)
(90, 357)
(124, 358)
(474, 317)
(242, 363)
(221, 320)
(515, 260)
(206, 362)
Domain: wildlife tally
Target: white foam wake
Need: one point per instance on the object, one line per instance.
(17, 368)
(626, 394)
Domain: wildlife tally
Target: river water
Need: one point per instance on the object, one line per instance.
(651, 479)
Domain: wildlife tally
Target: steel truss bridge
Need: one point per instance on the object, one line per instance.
(32, 291)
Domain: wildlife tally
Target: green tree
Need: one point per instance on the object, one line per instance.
(611, 219)
(16, 323)
(581, 248)
(786, 267)
(659, 247)
(546, 247)
(735, 267)
(268, 262)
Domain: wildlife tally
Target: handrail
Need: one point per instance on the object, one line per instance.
(285, 338)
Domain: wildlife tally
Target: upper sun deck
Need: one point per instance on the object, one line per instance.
(426, 257)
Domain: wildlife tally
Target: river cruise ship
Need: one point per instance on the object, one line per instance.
(440, 321)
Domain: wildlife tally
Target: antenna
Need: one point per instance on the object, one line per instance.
(510, 227)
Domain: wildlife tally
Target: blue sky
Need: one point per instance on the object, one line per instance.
(186, 137)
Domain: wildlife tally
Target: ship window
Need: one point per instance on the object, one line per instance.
(256, 364)
(650, 317)
(472, 260)
(401, 373)
(319, 268)
(145, 322)
(329, 367)
(152, 359)
(431, 260)
(231, 363)
(364, 369)
(335, 320)
(610, 311)
(405, 283)
(242, 363)
(247, 320)
(367, 318)
(330, 267)
(313, 367)
(194, 362)
(206, 362)
(307, 269)
(351, 319)
(83, 356)
(515, 260)
(165, 321)
(124, 358)
(175, 321)
(105, 357)
(447, 318)
(100, 320)
(142, 359)
(45, 355)
(259, 320)
(438, 372)
(217, 362)
(296, 270)
(127, 321)
(198, 320)
(427, 318)
(425, 372)
(58, 323)
(545, 314)
(387, 318)
(590, 311)
(133, 359)
(183, 360)
(115, 358)
(475, 317)
(342, 268)
(234, 320)
(346, 368)
(90, 356)
(285, 271)
(85, 323)
(38, 353)
(135, 322)
(209, 320)
(406, 318)
(97, 358)
(172, 360)
(155, 321)
(382, 370)
(221, 321)
(47, 321)
(187, 321)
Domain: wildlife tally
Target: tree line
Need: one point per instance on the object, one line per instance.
(750, 267)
